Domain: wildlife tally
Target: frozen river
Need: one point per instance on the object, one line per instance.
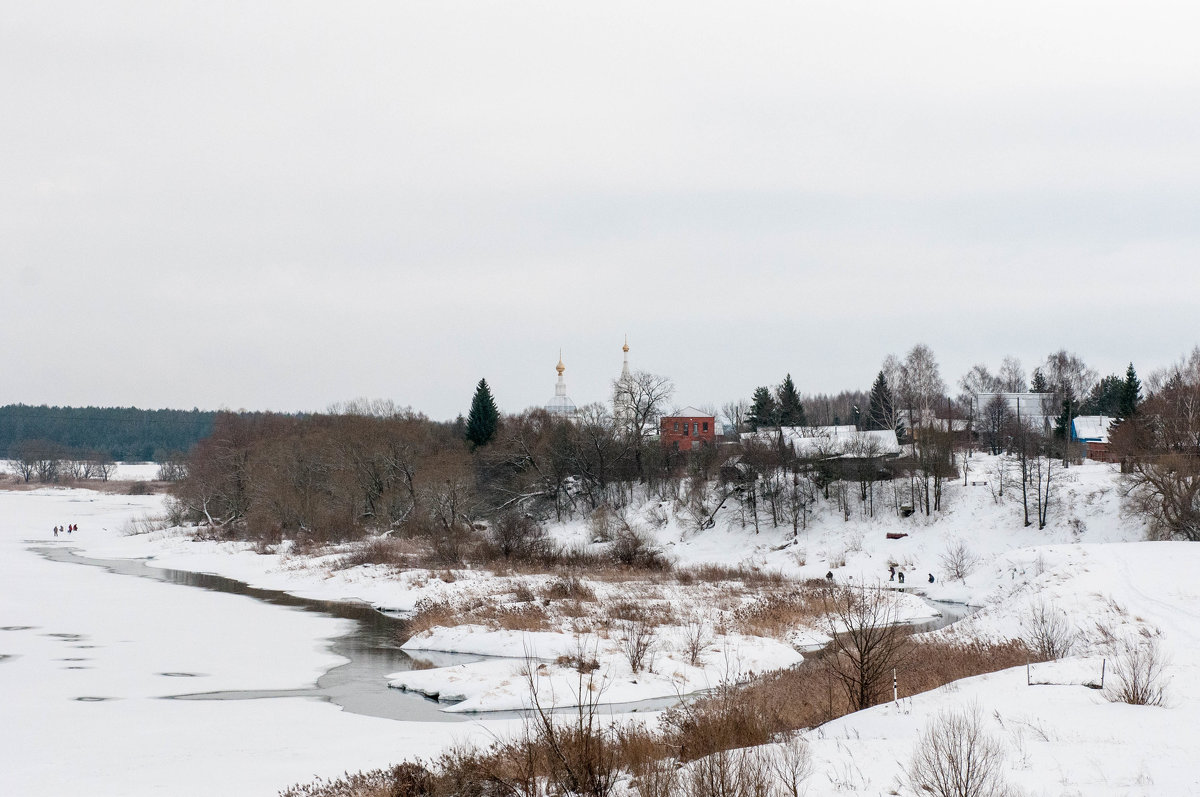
(130, 679)
(88, 656)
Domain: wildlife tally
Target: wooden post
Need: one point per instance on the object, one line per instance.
(1103, 667)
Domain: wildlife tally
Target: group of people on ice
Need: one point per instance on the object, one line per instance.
(67, 529)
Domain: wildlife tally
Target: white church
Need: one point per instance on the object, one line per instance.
(562, 405)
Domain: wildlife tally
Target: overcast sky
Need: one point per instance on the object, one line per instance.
(279, 205)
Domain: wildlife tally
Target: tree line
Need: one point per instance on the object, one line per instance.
(377, 469)
(116, 433)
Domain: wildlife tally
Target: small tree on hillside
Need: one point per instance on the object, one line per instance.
(868, 641)
(484, 418)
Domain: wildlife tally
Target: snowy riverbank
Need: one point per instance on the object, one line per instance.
(1085, 563)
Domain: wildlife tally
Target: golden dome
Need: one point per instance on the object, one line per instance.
(560, 367)
(625, 348)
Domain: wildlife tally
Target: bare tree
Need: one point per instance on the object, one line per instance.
(1160, 454)
(638, 401)
(1011, 377)
(868, 641)
(922, 387)
(959, 560)
(580, 750)
(736, 413)
(1040, 473)
(801, 495)
(979, 380)
(40, 459)
(1068, 376)
(1048, 631)
(956, 757)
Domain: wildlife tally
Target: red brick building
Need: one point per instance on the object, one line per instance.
(687, 428)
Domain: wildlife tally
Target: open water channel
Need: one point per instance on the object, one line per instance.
(372, 648)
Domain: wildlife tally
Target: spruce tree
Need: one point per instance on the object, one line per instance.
(791, 410)
(1130, 393)
(483, 418)
(1039, 382)
(879, 411)
(763, 409)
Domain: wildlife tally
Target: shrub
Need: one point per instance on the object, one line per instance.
(955, 757)
(1138, 671)
(390, 551)
(637, 643)
(958, 561)
(516, 536)
(1048, 632)
(569, 587)
(696, 639)
(634, 549)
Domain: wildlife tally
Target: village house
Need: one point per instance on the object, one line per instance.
(1092, 430)
(687, 428)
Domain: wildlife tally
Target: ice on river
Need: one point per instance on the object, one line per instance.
(86, 657)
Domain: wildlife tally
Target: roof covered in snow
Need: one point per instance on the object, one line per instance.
(690, 412)
(1092, 428)
(828, 442)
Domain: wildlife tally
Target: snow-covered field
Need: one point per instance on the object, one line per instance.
(1061, 739)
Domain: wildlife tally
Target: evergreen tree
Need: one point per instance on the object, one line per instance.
(1040, 385)
(483, 418)
(763, 409)
(879, 410)
(1130, 393)
(1105, 398)
(791, 410)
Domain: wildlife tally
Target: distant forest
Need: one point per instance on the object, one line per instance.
(122, 433)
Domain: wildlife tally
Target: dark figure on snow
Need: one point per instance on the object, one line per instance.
(931, 578)
(829, 576)
(901, 576)
(69, 528)
(56, 531)
(892, 573)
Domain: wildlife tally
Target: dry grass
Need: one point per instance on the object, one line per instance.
(776, 614)
(568, 586)
(389, 551)
(487, 611)
(730, 718)
(713, 573)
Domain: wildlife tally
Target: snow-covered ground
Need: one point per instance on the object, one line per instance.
(1059, 737)
(1063, 739)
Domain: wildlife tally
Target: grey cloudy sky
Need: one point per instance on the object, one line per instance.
(278, 205)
